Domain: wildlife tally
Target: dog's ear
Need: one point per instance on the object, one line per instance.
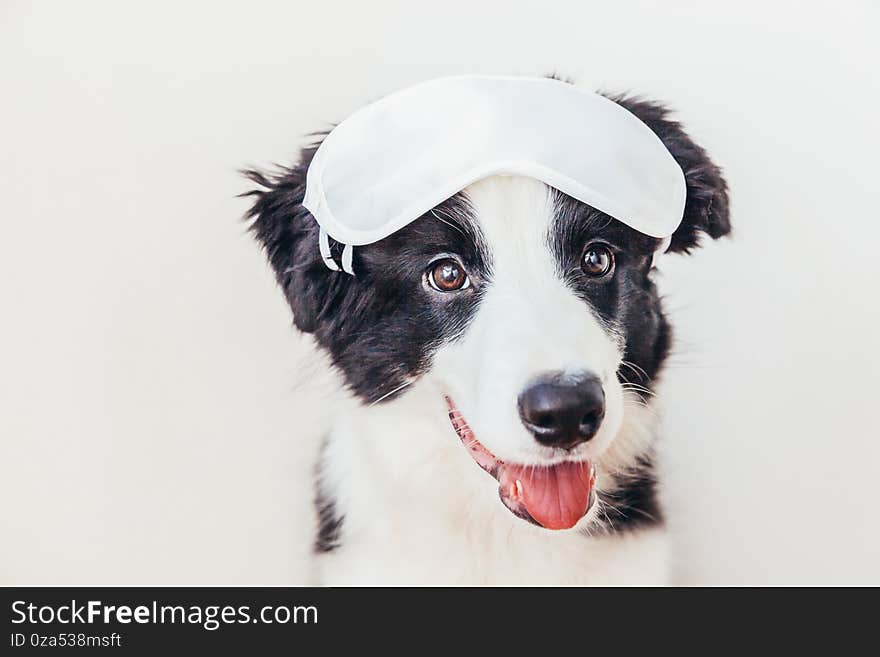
(706, 209)
(289, 235)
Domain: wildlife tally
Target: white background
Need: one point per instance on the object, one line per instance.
(154, 424)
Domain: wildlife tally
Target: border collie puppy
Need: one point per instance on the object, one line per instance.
(501, 353)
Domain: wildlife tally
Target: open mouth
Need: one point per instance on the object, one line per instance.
(555, 496)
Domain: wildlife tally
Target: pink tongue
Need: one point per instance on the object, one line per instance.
(556, 496)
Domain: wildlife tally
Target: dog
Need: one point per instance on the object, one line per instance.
(501, 356)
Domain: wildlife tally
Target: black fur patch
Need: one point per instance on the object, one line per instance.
(633, 505)
(707, 207)
(329, 524)
(627, 300)
(382, 327)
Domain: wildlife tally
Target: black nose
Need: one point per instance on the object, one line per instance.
(563, 411)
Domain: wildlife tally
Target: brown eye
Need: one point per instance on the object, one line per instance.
(598, 260)
(447, 275)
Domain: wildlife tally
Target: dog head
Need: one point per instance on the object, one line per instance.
(533, 315)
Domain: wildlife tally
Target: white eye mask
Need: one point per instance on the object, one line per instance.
(396, 159)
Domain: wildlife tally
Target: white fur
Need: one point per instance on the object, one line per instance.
(416, 508)
(528, 323)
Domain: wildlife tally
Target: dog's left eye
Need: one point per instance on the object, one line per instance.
(447, 275)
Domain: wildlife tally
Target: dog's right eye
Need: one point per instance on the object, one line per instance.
(447, 275)
(598, 260)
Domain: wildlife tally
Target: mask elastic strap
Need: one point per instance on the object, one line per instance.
(663, 246)
(347, 258)
(324, 245)
(327, 255)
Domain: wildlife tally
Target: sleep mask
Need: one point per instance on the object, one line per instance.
(397, 158)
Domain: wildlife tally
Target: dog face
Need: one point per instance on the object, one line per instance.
(533, 314)
(556, 290)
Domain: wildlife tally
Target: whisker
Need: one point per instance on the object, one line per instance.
(636, 387)
(602, 508)
(628, 509)
(388, 394)
(636, 369)
(437, 216)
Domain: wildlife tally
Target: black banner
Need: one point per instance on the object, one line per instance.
(143, 620)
